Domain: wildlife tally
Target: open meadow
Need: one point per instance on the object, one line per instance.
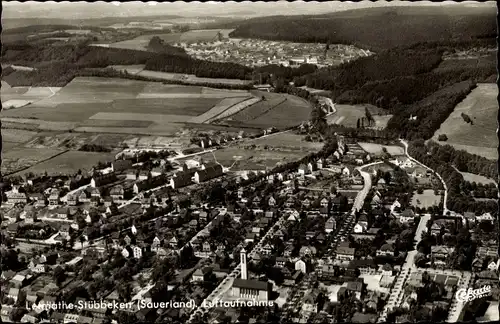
(20, 158)
(70, 162)
(286, 141)
(348, 115)
(471, 177)
(479, 137)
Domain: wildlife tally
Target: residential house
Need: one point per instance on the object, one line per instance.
(117, 193)
(202, 274)
(386, 250)
(16, 197)
(345, 253)
(131, 174)
(407, 216)
(307, 250)
(302, 266)
(54, 198)
(330, 225)
(13, 293)
(144, 175)
(303, 169)
(271, 201)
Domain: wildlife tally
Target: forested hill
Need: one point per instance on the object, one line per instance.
(375, 28)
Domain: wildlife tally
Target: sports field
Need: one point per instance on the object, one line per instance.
(426, 199)
(479, 138)
(377, 149)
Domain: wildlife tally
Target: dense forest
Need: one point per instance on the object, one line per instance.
(438, 158)
(184, 64)
(374, 28)
(421, 119)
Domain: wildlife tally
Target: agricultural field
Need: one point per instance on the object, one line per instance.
(277, 110)
(348, 115)
(16, 97)
(220, 108)
(479, 137)
(70, 162)
(426, 199)
(471, 177)
(114, 105)
(377, 149)
(19, 158)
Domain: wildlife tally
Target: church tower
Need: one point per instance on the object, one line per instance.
(243, 262)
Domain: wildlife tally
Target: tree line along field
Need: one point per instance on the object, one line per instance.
(479, 137)
(192, 36)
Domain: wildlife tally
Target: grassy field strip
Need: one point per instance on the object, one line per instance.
(216, 110)
(115, 123)
(188, 78)
(181, 95)
(17, 136)
(165, 130)
(235, 109)
(157, 118)
(131, 69)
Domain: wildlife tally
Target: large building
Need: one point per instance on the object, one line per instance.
(246, 289)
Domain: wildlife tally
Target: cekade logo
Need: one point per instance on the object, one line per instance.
(467, 295)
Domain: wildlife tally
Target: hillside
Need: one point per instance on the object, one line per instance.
(375, 28)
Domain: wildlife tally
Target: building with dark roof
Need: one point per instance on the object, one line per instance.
(121, 165)
(208, 173)
(181, 179)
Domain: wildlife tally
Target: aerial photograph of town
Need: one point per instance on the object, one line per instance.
(249, 162)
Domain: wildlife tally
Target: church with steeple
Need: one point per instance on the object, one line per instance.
(246, 289)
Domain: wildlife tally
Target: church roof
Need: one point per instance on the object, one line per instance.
(251, 284)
